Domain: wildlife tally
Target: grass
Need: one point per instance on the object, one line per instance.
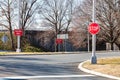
(18, 53)
(30, 53)
(110, 66)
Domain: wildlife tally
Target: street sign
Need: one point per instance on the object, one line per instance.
(93, 28)
(59, 41)
(62, 36)
(18, 32)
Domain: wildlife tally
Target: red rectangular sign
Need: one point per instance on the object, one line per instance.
(59, 41)
(18, 32)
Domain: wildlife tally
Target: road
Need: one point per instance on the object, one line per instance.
(48, 67)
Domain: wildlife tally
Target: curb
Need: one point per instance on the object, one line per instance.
(35, 53)
(96, 73)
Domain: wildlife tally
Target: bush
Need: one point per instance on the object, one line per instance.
(6, 45)
(29, 48)
(25, 45)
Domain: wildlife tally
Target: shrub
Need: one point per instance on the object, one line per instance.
(29, 48)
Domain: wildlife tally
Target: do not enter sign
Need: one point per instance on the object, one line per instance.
(94, 28)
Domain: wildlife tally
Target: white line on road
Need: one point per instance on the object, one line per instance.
(49, 76)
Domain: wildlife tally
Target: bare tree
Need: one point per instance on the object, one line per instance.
(80, 22)
(28, 12)
(78, 37)
(57, 14)
(7, 10)
(29, 9)
(108, 14)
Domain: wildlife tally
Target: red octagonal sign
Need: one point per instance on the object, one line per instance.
(93, 28)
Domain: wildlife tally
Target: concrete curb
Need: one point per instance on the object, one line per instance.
(35, 53)
(96, 73)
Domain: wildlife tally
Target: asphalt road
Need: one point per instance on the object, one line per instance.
(48, 67)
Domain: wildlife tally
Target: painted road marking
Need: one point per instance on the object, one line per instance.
(49, 76)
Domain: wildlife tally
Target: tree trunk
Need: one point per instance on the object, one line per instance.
(112, 47)
(118, 45)
(12, 40)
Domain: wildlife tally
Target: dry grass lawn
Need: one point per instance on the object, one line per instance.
(110, 66)
(24, 53)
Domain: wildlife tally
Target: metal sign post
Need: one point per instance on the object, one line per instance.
(93, 29)
(18, 33)
(64, 37)
(58, 42)
(93, 58)
(18, 37)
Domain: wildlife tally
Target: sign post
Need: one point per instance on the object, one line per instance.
(64, 37)
(59, 41)
(93, 29)
(18, 33)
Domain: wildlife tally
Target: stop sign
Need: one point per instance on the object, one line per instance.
(93, 28)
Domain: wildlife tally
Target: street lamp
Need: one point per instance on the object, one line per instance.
(93, 58)
(18, 37)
